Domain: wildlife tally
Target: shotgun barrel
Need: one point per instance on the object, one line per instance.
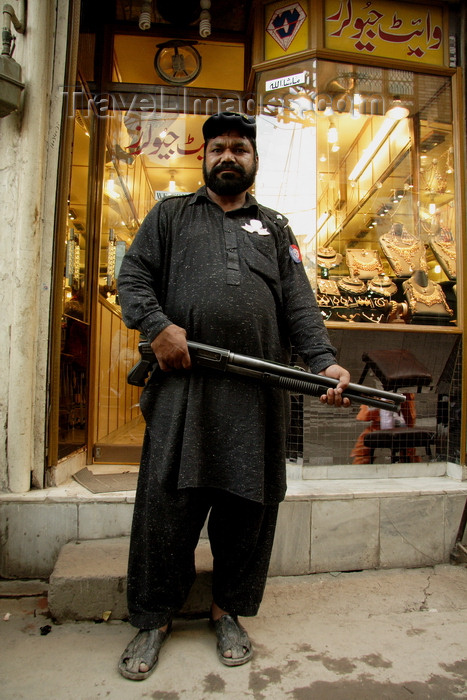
(293, 379)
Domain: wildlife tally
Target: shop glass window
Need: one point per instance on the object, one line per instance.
(361, 160)
(149, 156)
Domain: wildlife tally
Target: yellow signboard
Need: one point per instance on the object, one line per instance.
(400, 30)
(286, 26)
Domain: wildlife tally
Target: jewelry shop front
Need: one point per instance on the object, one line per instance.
(359, 116)
(360, 119)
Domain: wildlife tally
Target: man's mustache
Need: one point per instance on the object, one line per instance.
(233, 167)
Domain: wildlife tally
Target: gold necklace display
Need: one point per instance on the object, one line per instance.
(429, 296)
(446, 250)
(406, 249)
(449, 249)
(352, 285)
(382, 284)
(360, 259)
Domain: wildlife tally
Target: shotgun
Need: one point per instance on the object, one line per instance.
(293, 379)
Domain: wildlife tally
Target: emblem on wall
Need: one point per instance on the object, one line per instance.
(285, 23)
(177, 61)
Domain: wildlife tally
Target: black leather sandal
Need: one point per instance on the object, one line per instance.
(143, 649)
(231, 636)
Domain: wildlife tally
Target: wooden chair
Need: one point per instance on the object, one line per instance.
(397, 370)
(399, 440)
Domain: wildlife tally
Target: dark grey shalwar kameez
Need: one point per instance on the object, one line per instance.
(235, 280)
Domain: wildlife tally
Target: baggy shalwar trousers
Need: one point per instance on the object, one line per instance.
(165, 531)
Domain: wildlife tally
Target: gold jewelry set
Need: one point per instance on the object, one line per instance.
(382, 284)
(446, 250)
(328, 287)
(360, 260)
(351, 301)
(373, 318)
(352, 285)
(429, 296)
(327, 257)
(407, 251)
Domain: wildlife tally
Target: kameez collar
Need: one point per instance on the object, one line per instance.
(250, 202)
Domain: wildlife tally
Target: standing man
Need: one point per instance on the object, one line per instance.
(218, 268)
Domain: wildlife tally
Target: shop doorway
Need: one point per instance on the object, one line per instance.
(142, 143)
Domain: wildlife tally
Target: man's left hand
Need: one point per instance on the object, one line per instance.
(333, 397)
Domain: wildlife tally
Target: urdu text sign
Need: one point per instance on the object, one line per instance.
(405, 31)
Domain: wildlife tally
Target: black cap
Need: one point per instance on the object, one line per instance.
(223, 122)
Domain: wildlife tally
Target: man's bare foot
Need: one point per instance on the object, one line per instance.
(217, 612)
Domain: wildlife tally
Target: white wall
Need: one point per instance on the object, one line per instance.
(29, 144)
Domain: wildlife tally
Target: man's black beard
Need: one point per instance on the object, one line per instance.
(229, 184)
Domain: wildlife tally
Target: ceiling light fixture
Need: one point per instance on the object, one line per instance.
(322, 220)
(110, 189)
(333, 136)
(449, 165)
(397, 110)
(144, 21)
(381, 135)
(172, 183)
(205, 19)
(319, 225)
(392, 118)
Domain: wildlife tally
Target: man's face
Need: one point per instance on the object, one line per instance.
(230, 164)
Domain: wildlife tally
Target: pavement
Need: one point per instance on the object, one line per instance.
(381, 635)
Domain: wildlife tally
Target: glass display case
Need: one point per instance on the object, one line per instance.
(365, 161)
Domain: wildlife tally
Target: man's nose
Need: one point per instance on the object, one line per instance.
(227, 155)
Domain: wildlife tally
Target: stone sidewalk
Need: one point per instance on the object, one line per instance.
(388, 634)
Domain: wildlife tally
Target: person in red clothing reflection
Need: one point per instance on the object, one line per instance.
(407, 417)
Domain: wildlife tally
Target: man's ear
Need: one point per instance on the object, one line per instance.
(257, 163)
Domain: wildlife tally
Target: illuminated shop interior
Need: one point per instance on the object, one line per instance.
(351, 155)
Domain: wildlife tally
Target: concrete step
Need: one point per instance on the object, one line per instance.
(89, 581)
(324, 524)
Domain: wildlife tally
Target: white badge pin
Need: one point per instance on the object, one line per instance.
(256, 226)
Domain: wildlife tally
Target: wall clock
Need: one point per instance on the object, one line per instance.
(177, 61)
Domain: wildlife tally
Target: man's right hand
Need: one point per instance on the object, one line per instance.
(171, 349)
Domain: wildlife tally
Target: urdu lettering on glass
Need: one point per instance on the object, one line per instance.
(382, 28)
(160, 139)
